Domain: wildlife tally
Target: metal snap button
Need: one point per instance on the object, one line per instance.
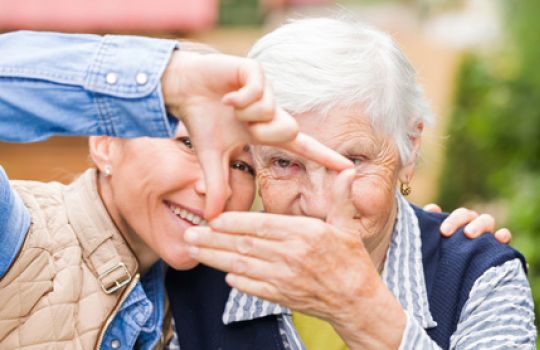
(111, 78)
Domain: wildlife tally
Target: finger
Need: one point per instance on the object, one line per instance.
(309, 148)
(433, 208)
(342, 212)
(251, 82)
(215, 169)
(263, 110)
(503, 235)
(281, 129)
(251, 286)
(205, 237)
(482, 224)
(232, 262)
(456, 219)
(263, 225)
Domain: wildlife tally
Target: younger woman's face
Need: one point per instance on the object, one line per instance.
(158, 190)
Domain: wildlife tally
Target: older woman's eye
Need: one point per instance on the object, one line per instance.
(285, 169)
(282, 163)
(186, 141)
(356, 160)
(243, 166)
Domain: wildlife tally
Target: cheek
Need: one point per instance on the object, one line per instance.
(243, 194)
(373, 198)
(277, 195)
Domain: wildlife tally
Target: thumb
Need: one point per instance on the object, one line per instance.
(215, 171)
(342, 211)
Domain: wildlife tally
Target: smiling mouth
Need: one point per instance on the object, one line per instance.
(186, 215)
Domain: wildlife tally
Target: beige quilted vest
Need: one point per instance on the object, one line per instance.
(72, 273)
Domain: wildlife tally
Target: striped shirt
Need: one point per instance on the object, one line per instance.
(499, 313)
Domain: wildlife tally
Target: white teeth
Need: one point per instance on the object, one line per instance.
(184, 214)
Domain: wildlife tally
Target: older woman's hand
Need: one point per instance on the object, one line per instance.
(319, 268)
(224, 102)
(477, 224)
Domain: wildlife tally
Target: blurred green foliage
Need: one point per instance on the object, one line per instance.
(493, 154)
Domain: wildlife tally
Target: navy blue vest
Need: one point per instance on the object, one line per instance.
(451, 266)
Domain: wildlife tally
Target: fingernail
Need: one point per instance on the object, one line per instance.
(504, 236)
(445, 229)
(191, 235)
(192, 250)
(230, 279)
(216, 223)
(471, 231)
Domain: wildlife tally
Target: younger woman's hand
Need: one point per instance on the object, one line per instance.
(477, 224)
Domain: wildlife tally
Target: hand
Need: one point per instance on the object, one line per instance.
(477, 225)
(315, 267)
(225, 102)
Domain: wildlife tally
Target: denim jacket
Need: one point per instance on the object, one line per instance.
(62, 84)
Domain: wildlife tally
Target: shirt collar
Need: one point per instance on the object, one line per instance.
(403, 274)
(243, 307)
(403, 271)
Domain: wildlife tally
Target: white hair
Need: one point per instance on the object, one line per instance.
(319, 64)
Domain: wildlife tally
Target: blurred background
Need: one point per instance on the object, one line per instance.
(476, 59)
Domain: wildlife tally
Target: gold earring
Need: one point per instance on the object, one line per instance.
(405, 189)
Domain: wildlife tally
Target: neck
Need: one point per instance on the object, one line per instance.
(378, 245)
(144, 254)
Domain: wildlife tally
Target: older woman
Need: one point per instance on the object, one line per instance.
(367, 261)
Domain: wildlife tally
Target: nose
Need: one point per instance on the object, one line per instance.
(315, 195)
(200, 186)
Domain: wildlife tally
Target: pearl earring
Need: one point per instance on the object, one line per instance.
(107, 170)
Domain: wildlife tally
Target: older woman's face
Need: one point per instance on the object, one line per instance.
(291, 185)
(159, 191)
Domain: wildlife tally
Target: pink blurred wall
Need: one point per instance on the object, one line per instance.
(108, 15)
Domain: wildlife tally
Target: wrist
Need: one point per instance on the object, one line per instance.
(173, 81)
(376, 322)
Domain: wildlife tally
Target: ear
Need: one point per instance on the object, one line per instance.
(407, 169)
(101, 150)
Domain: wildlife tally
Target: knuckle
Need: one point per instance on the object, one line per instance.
(461, 211)
(487, 219)
(267, 111)
(262, 227)
(245, 245)
(239, 266)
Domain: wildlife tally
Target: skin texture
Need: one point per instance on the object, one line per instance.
(146, 174)
(305, 263)
(225, 102)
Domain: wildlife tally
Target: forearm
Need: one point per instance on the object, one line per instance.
(377, 322)
(82, 85)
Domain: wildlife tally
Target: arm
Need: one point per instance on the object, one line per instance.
(14, 223)
(498, 314)
(82, 85)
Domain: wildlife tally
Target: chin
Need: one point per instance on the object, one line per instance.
(182, 264)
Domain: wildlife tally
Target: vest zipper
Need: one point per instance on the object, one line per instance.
(127, 291)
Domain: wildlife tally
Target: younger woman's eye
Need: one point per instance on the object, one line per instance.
(186, 141)
(243, 166)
